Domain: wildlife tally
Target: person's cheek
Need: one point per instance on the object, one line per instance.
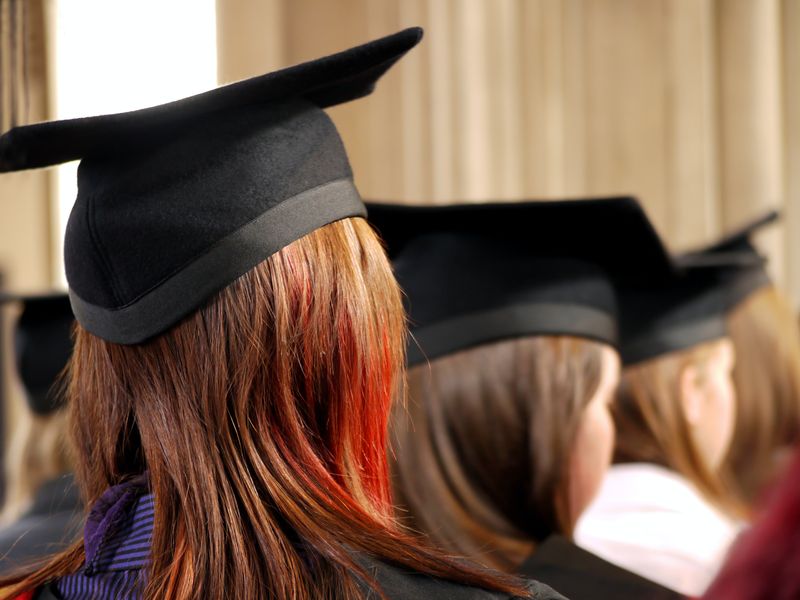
(608, 435)
(602, 448)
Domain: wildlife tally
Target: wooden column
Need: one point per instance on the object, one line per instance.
(790, 21)
(750, 112)
(26, 203)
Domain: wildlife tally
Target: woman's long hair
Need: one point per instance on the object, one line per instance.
(652, 426)
(766, 376)
(261, 420)
(482, 455)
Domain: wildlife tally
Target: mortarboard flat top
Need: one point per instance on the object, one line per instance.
(177, 201)
(747, 267)
(42, 346)
(740, 239)
(478, 273)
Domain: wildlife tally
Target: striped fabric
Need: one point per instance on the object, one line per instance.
(115, 566)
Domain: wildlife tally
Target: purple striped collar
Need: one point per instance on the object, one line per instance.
(119, 529)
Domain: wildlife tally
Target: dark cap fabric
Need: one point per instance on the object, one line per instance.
(478, 273)
(747, 273)
(177, 201)
(687, 311)
(737, 241)
(42, 347)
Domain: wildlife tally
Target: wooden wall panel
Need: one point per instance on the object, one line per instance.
(692, 105)
(441, 99)
(26, 207)
(691, 194)
(416, 139)
(749, 108)
(790, 20)
(250, 38)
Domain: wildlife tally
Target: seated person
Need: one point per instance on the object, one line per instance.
(663, 511)
(763, 328)
(239, 338)
(38, 462)
(513, 368)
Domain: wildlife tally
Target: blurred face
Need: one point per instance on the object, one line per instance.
(594, 441)
(712, 410)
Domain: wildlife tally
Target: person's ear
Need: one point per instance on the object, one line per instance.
(692, 395)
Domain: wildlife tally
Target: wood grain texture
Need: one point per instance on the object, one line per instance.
(27, 203)
(692, 105)
(790, 34)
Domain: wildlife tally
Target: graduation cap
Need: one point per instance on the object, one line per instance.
(688, 310)
(479, 273)
(691, 309)
(746, 268)
(42, 346)
(177, 201)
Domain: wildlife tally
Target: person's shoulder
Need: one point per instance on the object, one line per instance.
(401, 584)
(581, 574)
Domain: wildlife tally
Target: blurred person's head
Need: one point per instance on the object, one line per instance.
(678, 410)
(676, 403)
(766, 339)
(505, 444)
(507, 435)
(38, 449)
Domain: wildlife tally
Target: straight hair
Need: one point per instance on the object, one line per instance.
(481, 456)
(652, 426)
(261, 421)
(765, 335)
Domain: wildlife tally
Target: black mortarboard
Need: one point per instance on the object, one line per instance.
(687, 311)
(177, 201)
(747, 274)
(477, 273)
(42, 347)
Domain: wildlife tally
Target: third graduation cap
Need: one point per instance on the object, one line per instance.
(480, 273)
(177, 201)
(745, 272)
(688, 310)
(691, 307)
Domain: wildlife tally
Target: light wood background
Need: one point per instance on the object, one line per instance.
(692, 105)
(27, 203)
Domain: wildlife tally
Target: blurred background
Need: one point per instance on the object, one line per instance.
(693, 106)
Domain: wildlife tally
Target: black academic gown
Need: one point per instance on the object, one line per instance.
(399, 584)
(581, 575)
(50, 525)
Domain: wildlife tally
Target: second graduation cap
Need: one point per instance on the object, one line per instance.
(42, 346)
(478, 273)
(177, 201)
